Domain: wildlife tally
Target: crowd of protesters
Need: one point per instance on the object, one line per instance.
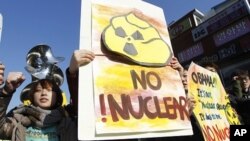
(46, 115)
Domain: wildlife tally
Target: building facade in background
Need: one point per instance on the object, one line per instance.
(222, 36)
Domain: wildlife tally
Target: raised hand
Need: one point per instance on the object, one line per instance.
(80, 58)
(174, 63)
(13, 81)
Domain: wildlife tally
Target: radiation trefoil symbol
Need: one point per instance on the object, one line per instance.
(137, 40)
(231, 115)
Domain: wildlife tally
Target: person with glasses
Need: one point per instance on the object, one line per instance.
(241, 91)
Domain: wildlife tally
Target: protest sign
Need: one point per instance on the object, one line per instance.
(128, 91)
(213, 110)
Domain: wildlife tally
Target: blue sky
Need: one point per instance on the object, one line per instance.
(56, 23)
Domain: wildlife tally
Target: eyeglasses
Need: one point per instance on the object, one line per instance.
(244, 78)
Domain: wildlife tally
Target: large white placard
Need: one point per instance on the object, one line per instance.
(95, 94)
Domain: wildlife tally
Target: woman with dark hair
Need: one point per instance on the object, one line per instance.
(39, 89)
(44, 119)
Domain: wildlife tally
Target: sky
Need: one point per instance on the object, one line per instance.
(27, 23)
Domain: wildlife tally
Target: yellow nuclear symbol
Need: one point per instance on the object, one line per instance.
(231, 115)
(136, 39)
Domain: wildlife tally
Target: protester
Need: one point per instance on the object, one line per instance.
(184, 79)
(245, 85)
(79, 58)
(241, 91)
(197, 134)
(211, 66)
(174, 63)
(235, 88)
(44, 119)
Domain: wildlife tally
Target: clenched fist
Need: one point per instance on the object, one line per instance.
(13, 81)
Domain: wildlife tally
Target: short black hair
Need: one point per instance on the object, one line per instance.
(186, 67)
(210, 64)
(243, 73)
(47, 83)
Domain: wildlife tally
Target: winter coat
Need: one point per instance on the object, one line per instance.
(14, 124)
